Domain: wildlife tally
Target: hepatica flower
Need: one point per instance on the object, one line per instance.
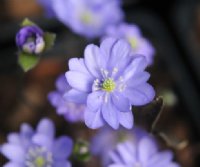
(37, 149)
(107, 139)
(88, 17)
(142, 154)
(30, 39)
(71, 111)
(109, 80)
(133, 35)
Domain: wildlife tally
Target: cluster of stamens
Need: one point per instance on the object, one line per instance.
(38, 157)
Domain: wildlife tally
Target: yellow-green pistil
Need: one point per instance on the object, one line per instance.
(39, 161)
(108, 85)
(86, 17)
(133, 41)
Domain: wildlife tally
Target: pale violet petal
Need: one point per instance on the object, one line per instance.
(92, 56)
(140, 95)
(46, 127)
(93, 120)
(76, 96)
(95, 100)
(15, 153)
(80, 81)
(110, 114)
(62, 148)
(126, 119)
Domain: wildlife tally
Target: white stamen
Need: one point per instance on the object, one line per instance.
(114, 71)
(106, 97)
(104, 73)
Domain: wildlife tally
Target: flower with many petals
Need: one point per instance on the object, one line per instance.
(144, 153)
(107, 139)
(109, 80)
(37, 149)
(71, 111)
(88, 17)
(132, 34)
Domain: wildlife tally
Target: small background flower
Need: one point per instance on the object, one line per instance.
(88, 17)
(133, 35)
(144, 153)
(107, 139)
(72, 112)
(39, 148)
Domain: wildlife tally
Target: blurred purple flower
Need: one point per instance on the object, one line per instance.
(88, 17)
(107, 139)
(37, 149)
(47, 4)
(145, 153)
(132, 33)
(29, 39)
(71, 111)
(109, 80)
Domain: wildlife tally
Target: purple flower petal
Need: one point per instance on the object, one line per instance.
(79, 81)
(120, 50)
(62, 148)
(140, 95)
(161, 158)
(146, 148)
(92, 56)
(13, 164)
(95, 100)
(55, 98)
(61, 84)
(126, 119)
(62, 164)
(110, 114)
(13, 152)
(26, 130)
(93, 120)
(137, 65)
(138, 79)
(76, 64)
(76, 96)
(118, 165)
(125, 154)
(122, 103)
(106, 50)
(14, 138)
(46, 127)
(42, 140)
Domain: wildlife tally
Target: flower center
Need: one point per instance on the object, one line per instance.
(40, 161)
(108, 85)
(86, 17)
(133, 41)
(38, 157)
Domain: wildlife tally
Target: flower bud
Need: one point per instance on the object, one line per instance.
(30, 39)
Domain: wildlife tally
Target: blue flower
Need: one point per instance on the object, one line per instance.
(47, 4)
(107, 139)
(132, 34)
(30, 39)
(144, 153)
(71, 111)
(109, 80)
(37, 149)
(88, 17)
